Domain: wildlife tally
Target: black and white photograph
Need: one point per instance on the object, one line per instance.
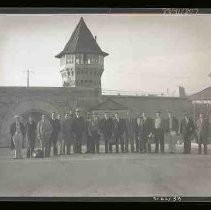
(105, 105)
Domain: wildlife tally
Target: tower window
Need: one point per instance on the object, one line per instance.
(79, 59)
(69, 58)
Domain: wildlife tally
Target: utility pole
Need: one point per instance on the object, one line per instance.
(28, 76)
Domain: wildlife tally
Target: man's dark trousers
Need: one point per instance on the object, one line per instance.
(187, 144)
(108, 145)
(159, 140)
(202, 140)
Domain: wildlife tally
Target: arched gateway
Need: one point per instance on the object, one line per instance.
(26, 108)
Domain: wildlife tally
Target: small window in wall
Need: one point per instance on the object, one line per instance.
(72, 72)
(81, 81)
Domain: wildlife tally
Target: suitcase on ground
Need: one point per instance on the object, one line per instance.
(38, 153)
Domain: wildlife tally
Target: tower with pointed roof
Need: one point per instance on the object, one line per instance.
(82, 60)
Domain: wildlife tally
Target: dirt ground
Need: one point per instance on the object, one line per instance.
(128, 174)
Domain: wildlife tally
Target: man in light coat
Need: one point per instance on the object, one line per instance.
(171, 130)
(44, 131)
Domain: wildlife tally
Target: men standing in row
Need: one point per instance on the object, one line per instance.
(107, 130)
(158, 128)
(56, 127)
(30, 136)
(202, 132)
(44, 131)
(78, 130)
(187, 129)
(172, 127)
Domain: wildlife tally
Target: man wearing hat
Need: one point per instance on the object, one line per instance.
(17, 132)
(78, 130)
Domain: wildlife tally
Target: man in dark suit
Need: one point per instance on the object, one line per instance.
(146, 124)
(158, 131)
(56, 126)
(129, 133)
(78, 130)
(119, 129)
(138, 132)
(93, 127)
(202, 132)
(171, 130)
(187, 129)
(67, 134)
(106, 126)
(30, 136)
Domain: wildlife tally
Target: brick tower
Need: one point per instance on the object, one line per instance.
(82, 60)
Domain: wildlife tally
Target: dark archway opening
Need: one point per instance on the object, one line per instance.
(36, 115)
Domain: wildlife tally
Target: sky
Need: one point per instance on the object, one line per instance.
(148, 53)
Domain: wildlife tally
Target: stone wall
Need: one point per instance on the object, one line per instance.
(21, 100)
(148, 104)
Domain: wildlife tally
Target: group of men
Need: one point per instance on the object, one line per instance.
(130, 134)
